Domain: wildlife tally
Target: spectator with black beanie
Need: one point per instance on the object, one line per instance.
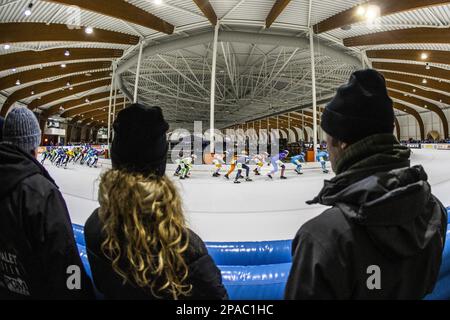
(138, 244)
(384, 234)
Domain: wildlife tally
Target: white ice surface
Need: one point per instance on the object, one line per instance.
(219, 210)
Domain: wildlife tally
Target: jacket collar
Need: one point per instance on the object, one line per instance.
(377, 153)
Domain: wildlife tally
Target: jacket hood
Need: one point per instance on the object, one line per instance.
(15, 166)
(395, 205)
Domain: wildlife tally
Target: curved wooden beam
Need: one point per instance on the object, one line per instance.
(422, 104)
(387, 7)
(92, 109)
(49, 72)
(207, 9)
(397, 127)
(58, 95)
(85, 108)
(35, 32)
(413, 35)
(74, 103)
(417, 81)
(415, 114)
(40, 88)
(276, 10)
(434, 56)
(416, 69)
(122, 10)
(432, 95)
(29, 58)
(72, 113)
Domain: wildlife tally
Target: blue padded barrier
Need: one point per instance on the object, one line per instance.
(78, 232)
(441, 290)
(265, 282)
(250, 253)
(448, 215)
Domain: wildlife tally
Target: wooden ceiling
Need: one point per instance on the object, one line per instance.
(35, 32)
(121, 10)
(39, 70)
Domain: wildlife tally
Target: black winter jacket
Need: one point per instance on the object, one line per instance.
(383, 236)
(204, 276)
(37, 245)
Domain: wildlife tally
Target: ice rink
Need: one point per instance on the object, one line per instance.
(219, 210)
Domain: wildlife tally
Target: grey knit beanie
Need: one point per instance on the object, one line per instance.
(21, 128)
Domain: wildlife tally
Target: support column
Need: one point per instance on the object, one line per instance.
(69, 133)
(213, 89)
(138, 72)
(313, 82)
(113, 80)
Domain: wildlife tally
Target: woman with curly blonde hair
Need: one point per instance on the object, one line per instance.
(138, 244)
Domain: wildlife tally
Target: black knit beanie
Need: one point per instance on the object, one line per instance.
(361, 108)
(140, 143)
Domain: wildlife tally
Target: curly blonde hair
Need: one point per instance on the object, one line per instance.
(145, 227)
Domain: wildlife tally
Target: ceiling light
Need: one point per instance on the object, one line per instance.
(414, 90)
(86, 100)
(424, 81)
(361, 11)
(88, 74)
(89, 30)
(18, 82)
(71, 88)
(158, 2)
(7, 47)
(32, 93)
(424, 56)
(427, 66)
(13, 69)
(67, 53)
(372, 13)
(426, 107)
(63, 65)
(27, 11)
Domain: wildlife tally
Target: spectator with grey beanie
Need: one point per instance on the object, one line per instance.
(35, 229)
(384, 234)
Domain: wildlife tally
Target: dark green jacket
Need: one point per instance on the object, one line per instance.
(383, 236)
